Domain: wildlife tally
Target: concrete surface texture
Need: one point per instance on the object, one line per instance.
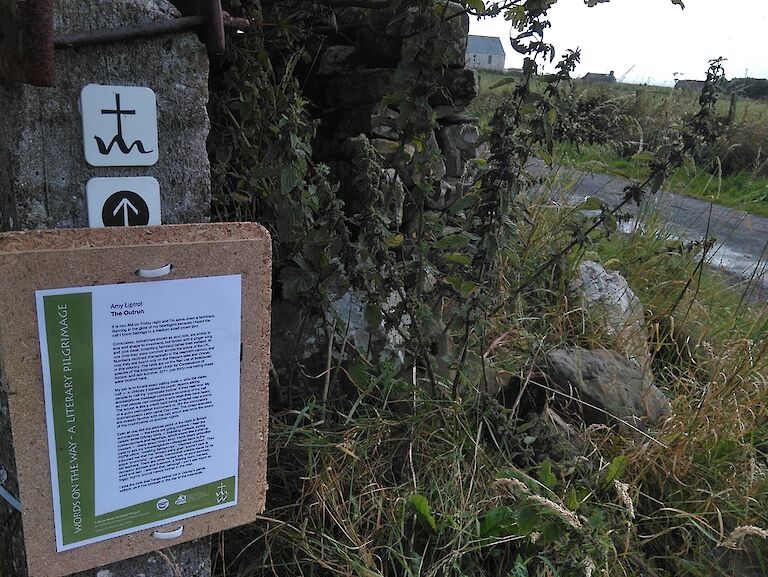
(42, 184)
(41, 135)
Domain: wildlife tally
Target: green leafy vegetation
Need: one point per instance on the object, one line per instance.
(396, 480)
(623, 125)
(456, 456)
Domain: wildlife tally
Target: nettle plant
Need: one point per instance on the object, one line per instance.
(447, 257)
(440, 282)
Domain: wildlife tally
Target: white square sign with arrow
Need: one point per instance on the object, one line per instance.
(129, 201)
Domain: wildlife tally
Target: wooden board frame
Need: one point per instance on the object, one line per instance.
(53, 259)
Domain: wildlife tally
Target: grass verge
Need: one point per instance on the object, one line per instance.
(743, 191)
(737, 177)
(396, 480)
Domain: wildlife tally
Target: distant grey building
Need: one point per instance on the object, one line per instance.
(595, 78)
(693, 85)
(485, 53)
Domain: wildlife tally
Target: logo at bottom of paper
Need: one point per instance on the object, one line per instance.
(221, 493)
(162, 504)
(180, 500)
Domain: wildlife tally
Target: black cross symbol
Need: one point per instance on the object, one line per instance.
(118, 112)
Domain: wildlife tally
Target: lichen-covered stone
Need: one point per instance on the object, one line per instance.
(394, 196)
(435, 165)
(346, 122)
(608, 381)
(461, 136)
(386, 148)
(337, 59)
(450, 28)
(446, 111)
(458, 143)
(412, 160)
(458, 119)
(373, 120)
(459, 88)
(389, 34)
(610, 301)
(384, 122)
(380, 39)
(358, 87)
(300, 371)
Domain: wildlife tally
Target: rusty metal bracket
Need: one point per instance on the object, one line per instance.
(210, 20)
(26, 46)
(27, 41)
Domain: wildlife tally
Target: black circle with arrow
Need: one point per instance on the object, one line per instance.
(125, 208)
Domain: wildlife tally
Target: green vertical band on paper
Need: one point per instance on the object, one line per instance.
(69, 335)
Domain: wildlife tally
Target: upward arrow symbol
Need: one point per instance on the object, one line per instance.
(124, 205)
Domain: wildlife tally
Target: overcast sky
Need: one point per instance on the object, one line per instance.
(650, 40)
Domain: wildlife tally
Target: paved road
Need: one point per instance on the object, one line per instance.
(741, 247)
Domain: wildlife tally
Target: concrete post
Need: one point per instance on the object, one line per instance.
(43, 175)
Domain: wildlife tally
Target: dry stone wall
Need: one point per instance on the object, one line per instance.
(353, 78)
(350, 85)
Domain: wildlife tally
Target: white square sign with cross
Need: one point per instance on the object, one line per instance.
(119, 125)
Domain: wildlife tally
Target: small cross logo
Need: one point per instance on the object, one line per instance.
(222, 493)
(118, 139)
(119, 125)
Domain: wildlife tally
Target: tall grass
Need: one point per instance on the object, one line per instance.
(709, 473)
(628, 119)
(390, 478)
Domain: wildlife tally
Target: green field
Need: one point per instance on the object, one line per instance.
(735, 176)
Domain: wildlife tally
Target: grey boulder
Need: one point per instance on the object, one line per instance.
(608, 381)
(608, 298)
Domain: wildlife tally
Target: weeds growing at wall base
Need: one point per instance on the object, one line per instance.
(418, 468)
(396, 481)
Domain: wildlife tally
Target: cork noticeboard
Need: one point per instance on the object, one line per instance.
(36, 266)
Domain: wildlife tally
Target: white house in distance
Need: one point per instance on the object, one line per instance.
(485, 53)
